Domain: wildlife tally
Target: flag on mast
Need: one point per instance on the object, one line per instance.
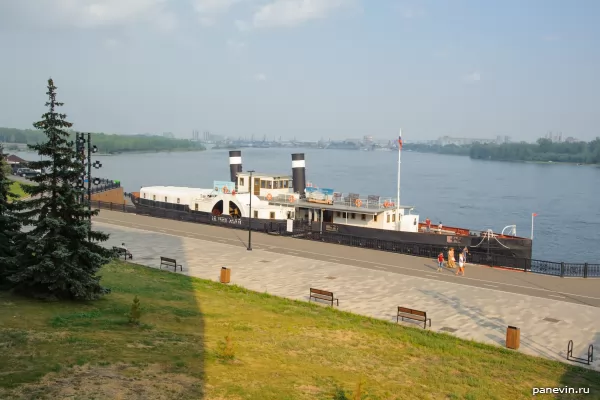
(399, 142)
(534, 214)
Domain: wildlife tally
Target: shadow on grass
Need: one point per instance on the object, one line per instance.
(57, 350)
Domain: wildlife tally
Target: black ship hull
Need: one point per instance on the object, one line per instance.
(513, 247)
(478, 246)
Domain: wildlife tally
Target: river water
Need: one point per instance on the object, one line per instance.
(456, 190)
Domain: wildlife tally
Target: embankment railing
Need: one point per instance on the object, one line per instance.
(302, 230)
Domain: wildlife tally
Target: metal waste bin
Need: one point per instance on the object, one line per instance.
(513, 337)
(225, 275)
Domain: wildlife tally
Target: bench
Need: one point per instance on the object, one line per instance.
(119, 251)
(416, 315)
(170, 262)
(323, 295)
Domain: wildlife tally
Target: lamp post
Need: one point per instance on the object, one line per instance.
(250, 212)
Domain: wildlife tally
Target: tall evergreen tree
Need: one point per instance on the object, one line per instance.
(9, 225)
(56, 260)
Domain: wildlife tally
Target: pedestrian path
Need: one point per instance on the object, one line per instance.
(464, 311)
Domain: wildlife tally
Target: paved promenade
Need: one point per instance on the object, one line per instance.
(471, 308)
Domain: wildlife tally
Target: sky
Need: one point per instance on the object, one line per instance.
(308, 69)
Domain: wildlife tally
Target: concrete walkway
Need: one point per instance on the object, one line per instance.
(477, 313)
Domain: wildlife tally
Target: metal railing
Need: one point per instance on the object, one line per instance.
(303, 230)
(105, 184)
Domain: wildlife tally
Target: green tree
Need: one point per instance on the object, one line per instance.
(56, 260)
(9, 225)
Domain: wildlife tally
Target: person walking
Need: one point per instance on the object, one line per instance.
(461, 265)
(428, 223)
(451, 260)
(464, 253)
(440, 226)
(440, 261)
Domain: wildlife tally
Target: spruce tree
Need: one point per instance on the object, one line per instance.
(56, 260)
(9, 225)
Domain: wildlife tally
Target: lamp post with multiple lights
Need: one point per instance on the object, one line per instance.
(80, 143)
(250, 212)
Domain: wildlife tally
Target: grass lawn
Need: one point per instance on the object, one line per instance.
(16, 188)
(203, 340)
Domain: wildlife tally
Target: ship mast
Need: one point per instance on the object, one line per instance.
(398, 193)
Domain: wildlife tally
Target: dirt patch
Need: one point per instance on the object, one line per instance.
(309, 389)
(138, 346)
(118, 381)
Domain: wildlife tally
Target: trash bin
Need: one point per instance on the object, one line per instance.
(225, 275)
(513, 337)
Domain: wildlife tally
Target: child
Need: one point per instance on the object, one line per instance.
(451, 260)
(461, 264)
(440, 261)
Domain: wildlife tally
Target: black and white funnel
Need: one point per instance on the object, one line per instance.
(235, 165)
(299, 174)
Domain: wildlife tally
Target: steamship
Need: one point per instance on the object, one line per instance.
(284, 198)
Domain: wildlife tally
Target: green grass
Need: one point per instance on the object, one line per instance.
(16, 188)
(199, 339)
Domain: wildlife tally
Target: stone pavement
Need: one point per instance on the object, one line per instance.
(467, 312)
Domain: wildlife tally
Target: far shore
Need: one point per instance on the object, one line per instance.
(515, 161)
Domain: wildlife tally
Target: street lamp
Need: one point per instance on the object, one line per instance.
(250, 212)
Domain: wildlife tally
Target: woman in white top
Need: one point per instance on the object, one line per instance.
(461, 264)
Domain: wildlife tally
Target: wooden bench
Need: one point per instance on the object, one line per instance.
(323, 295)
(119, 251)
(170, 262)
(416, 315)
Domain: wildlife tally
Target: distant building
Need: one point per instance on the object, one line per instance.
(168, 135)
(447, 140)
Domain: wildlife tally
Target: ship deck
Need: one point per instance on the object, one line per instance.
(336, 206)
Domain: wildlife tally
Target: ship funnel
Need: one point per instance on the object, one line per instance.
(299, 174)
(235, 165)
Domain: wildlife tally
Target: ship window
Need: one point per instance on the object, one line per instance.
(393, 217)
(263, 184)
(241, 181)
(291, 184)
(269, 185)
(272, 215)
(353, 215)
(178, 201)
(144, 195)
(344, 215)
(388, 218)
(285, 184)
(375, 218)
(364, 217)
(339, 214)
(276, 185)
(255, 214)
(154, 197)
(196, 207)
(166, 199)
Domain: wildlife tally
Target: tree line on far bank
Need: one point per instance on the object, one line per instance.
(544, 150)
(108, 143)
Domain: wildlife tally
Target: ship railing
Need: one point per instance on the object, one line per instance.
(380, 204)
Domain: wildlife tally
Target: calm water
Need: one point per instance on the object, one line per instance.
(455, 190)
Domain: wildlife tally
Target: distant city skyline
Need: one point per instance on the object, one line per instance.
(306, 69)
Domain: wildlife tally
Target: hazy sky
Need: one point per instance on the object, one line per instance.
(306, 68)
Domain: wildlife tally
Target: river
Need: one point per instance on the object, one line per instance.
(456, 190)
